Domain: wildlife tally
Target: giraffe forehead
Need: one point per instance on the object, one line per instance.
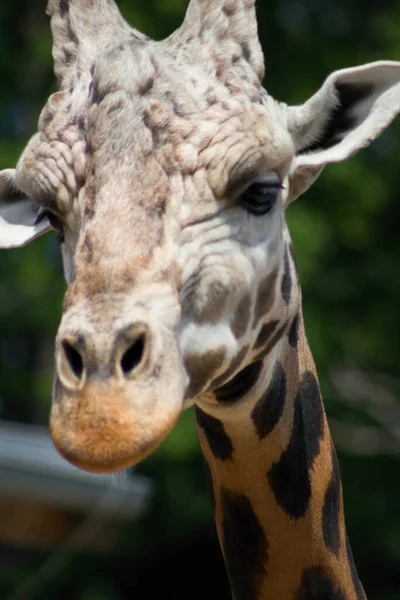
(176, 105)
(145, 91)
(148, 70)
(219, 146)
(142, 66)
(140, 107)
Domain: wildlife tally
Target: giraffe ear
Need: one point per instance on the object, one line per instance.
(19, 223)
(226, 33)
(350, 110)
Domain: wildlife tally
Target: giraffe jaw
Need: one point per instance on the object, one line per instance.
(106, 427)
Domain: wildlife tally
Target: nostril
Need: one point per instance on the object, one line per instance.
(133, 356)
(74, 359)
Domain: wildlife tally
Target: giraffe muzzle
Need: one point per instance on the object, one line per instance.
(118, 388)
(129, 358)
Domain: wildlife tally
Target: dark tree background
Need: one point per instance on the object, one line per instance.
(346, 232)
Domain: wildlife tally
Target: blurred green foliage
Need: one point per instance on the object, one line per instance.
(345, 232)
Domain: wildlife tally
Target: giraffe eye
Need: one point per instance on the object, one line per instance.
(261, 196)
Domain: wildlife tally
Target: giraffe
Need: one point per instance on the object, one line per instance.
(166, 169)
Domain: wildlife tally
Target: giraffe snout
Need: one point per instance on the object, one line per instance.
(124, 356)
(119, 384)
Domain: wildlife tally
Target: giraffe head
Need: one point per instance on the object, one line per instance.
(166, 169)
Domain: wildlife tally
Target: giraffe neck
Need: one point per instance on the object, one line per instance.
(276, 485)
